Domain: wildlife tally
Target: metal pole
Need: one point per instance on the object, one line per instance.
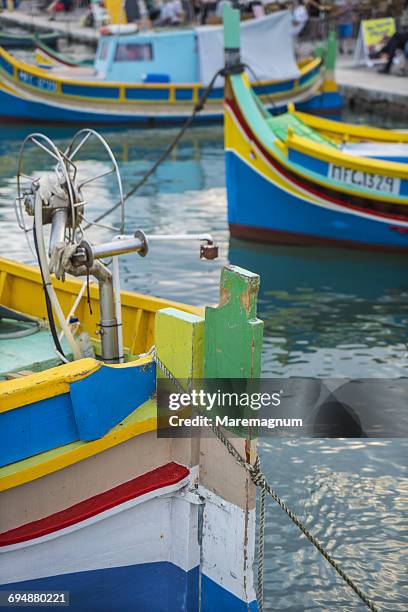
(117, 247)
(108, 324)
(118, 306)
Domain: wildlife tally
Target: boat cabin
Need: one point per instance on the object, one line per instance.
(151, 57)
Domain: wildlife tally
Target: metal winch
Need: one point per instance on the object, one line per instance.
(58, 199)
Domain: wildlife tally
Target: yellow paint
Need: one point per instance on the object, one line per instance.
(42, 58)
(180, 345)
(3, 278)
(329, 86)
(54, 381)
(23, 280)
(59, 81)
(235, 140)
(334, 156)
(138, 314)
(354, 132)
(180, 342)
(142, 420)
(116, 11)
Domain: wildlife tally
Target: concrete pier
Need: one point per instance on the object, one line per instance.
(68, 25)
(365, 90)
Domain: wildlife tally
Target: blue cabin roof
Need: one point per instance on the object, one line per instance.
(161, 57)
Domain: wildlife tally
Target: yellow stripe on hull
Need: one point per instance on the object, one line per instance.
(142, 420)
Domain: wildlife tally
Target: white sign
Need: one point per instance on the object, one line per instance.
(357, 178)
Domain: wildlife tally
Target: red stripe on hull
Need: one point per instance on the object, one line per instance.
(261, 234)
(161, 477)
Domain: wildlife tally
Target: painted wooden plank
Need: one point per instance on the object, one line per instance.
(180, 342)
(164, 476)
(233, 334)
(42, 385)
(23, 280)
(109, 395)
(231, 18)
(140, 421)
(87, 411)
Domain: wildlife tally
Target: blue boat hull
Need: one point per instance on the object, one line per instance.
(277, 216)
(19, 109)
(147, 587)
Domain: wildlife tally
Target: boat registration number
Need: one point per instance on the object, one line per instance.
(369, 180)
(38, 82)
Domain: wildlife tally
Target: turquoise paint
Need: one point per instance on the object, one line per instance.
(34, 353)
(232, 32)
(174, 54)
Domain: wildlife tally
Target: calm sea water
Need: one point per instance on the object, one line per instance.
(327, 312)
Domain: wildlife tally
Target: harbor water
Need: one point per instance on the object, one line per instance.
(327, 313)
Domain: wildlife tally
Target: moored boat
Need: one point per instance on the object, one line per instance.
(97, 506)
(47, 57)
(159, 77)
(23, 40)
(315, 180)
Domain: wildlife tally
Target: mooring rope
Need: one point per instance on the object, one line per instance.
(261, 551)
(196, 109)
(259, 480)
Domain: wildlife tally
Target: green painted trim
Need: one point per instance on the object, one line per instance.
(252, 109)
(331, 51)
(233, 334)
(231, 19)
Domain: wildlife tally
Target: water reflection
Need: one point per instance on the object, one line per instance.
(352, 495)
(327, 313)
(330, 312)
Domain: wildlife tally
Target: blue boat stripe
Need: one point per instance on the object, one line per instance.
(92, 407)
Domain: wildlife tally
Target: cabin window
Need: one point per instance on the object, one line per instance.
(133, 52)
(103, 53)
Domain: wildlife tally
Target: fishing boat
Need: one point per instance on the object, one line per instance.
(47, 57)
(315, 180)
(100, 508)
(23, 40)
(159, 77)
